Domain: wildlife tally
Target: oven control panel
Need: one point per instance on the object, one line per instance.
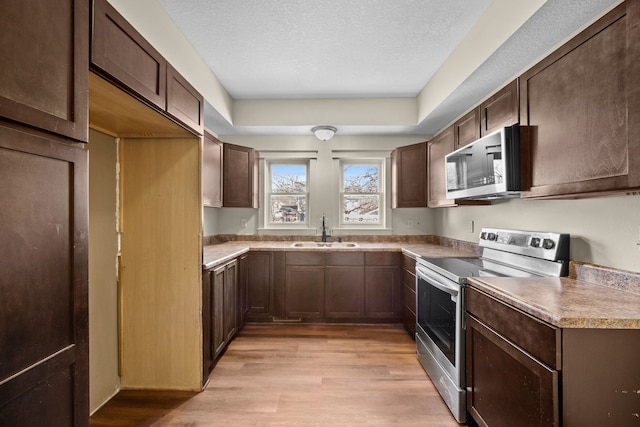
(545, 245)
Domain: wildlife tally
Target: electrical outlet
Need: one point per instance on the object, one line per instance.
(243, 222)
(409, 223)
(471, 226)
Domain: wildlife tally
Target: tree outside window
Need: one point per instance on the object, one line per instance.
(361, 201)
(288, 193)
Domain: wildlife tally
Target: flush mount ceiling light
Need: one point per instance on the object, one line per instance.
(324, 133)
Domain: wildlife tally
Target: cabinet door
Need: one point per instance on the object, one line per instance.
(211, 171)
(382, 292)
(240, 177)
(207, 323)
(243, 290)
(259, 283)
(500, 110)
(344, 292)
(119, 52)
(506, 386)
(304, 292)
(44, 335)
(44, 65)
(217, 305)
(184, 102)
(438, 148)
(409, 176)
(230, 298)
(467, 128)
(583, 102)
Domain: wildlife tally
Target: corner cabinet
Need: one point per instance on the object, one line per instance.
(240, 177)
(583, 102)
(409, 176)
(44, 61)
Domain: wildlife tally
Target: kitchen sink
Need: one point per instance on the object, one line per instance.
(324, 245)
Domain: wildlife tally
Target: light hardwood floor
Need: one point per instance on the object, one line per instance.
(298, 375)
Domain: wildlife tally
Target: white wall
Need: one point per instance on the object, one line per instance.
(604, 231)
(104, 380)
(324, 194)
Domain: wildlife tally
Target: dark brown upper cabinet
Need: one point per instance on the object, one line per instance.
(212, 171)
(240, 177)
(409, 176)
(183, 101)
(120, 52)
(500, 110)
(583, 102)
(43, 65)
(441, 145)
(467, 128)
(122, 56)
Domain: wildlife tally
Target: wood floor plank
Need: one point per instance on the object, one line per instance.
(298, 375)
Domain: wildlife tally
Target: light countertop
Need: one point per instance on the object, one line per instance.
(565, 302)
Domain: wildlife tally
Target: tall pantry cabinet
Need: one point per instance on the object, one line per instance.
(43, 213)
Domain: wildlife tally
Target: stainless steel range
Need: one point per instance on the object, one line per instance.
(440, 305)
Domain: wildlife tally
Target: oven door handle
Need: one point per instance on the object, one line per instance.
(437, 282)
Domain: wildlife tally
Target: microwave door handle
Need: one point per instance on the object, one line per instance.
(435, 281)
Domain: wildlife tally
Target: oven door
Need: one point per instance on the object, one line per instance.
(439, 321)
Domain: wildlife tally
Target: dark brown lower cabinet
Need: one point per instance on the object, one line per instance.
(383, 285)
(524, 372)
(44, 327)
(344, 292)
(305, 291)
(259, 280)
(230, 300)
(506, 385)
(208, 355)
(220, 311)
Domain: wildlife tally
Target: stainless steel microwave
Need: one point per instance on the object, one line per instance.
(488, 168)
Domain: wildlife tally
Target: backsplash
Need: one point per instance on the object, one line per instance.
(606, 276)
(408, 239)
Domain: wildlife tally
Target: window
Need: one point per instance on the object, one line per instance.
(361, 196)
(287, 192)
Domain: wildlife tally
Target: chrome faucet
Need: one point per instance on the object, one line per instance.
(324, 230)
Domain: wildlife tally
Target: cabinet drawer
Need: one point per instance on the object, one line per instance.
(382, 258)
(344, 258)
(534, 336)
(409, 279)
(304, 258)
(409, 263)
(410, 298)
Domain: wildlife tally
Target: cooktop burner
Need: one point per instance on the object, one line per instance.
(508, 253)
(457, 269)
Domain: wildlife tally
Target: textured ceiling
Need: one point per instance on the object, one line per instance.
(324, 48)
(291, 49)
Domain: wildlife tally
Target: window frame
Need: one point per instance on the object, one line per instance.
(381, 193)
(268, 193)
